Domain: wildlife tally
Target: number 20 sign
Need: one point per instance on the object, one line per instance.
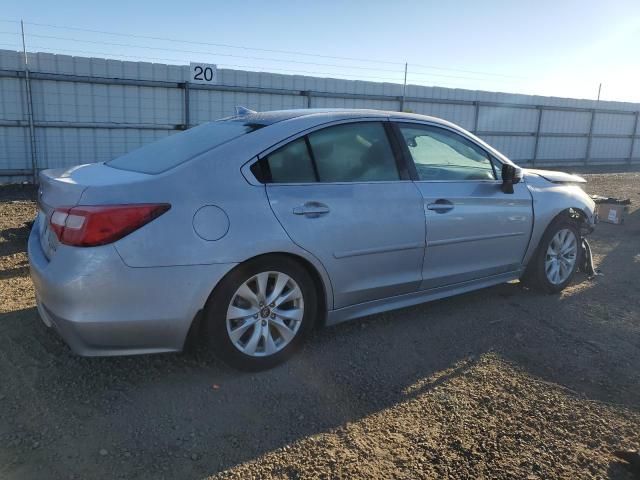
(203, 73)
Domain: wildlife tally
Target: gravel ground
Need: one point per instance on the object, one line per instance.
(501, 383)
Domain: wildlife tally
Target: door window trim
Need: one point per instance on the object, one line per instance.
(395, 145)
(396, 124)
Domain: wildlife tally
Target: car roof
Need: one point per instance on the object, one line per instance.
(312, 117)
(324, 114)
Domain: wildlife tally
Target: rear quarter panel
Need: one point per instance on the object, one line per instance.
(212, 179)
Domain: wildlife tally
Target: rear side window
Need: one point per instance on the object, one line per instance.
(176, 149)
(353, 152)
(292, 164)
(440, 154)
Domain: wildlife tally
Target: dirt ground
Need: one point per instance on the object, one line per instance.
(500, 383)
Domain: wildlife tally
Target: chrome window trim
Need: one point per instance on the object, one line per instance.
(496, 182)
(250, 177)
(374, 182)
(492, 153)
(294, 137)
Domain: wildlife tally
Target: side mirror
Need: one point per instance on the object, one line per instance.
(510, 176)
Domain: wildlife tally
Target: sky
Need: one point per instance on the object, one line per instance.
(556, 48)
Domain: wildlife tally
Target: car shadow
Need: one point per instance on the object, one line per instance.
(194, 416)
(618, 471)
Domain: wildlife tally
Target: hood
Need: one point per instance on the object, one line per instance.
(554, 177)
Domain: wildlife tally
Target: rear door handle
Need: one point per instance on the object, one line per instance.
(440, 206)
(311, 209)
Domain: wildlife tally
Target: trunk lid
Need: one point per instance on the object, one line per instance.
(64, 187)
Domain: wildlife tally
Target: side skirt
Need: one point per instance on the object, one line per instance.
(377, 306)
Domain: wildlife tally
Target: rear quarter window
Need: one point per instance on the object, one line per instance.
(165, 154)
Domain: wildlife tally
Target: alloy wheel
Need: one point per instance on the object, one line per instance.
(561, 256)
(265, 314)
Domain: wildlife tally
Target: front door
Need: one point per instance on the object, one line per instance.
(339, 195)
(474, 230)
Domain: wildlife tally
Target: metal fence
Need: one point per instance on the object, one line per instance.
(74, 110)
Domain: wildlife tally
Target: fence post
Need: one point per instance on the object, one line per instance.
(633, 137)
(537, 139)
(307, 94)
(187, 103)
(589, 137)
(404, 87)
(476, 115)
(32, 130)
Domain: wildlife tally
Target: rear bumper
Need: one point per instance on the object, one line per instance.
(101, 307)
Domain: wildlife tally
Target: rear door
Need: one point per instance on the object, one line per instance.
(474, 230)
(341, 194)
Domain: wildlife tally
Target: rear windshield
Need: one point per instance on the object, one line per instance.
(175, 149)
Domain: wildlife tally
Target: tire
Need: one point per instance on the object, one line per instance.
(244, 321)
(540, 272)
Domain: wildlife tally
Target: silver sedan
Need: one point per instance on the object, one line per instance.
(250, 231)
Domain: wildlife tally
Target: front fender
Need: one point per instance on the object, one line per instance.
(551, 200)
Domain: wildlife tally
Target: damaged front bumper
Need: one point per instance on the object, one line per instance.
(587, 259)
(586, 228)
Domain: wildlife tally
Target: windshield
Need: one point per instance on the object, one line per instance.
(160, 156)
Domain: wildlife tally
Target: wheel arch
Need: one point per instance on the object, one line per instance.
(576, 215)
(317, 273)
(532, 273)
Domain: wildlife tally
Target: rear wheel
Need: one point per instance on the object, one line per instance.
(557, 257)
(261, 312)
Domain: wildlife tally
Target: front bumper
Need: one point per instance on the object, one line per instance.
(102, 307)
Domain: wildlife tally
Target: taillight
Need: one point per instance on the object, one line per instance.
(91, 226)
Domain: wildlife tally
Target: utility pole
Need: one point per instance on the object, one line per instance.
(404, 87)
(32, 131)
(599, 89)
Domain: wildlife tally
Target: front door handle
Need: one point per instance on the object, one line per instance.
(311, 209)
(440, 206)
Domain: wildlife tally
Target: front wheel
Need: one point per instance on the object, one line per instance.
(261, 312)
(557, 257)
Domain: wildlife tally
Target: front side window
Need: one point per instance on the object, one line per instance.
(352, 152)
(497, 168)
(440, 154)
